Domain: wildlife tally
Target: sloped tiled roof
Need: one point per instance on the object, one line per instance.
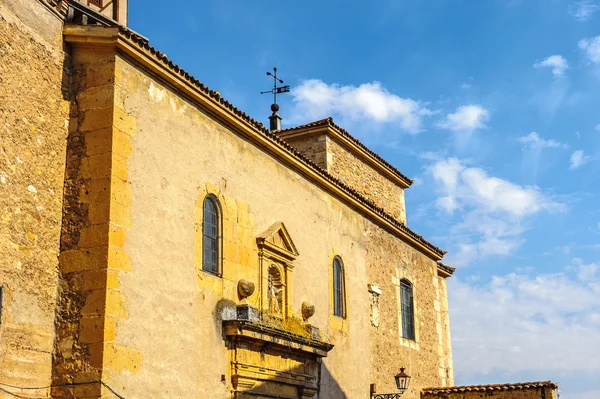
(344, 133)
(142, 43)
(519, 386)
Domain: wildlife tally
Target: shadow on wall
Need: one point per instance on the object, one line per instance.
(329, 386)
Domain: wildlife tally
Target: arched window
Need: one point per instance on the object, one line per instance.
(407, 308)
(211, 226)
(339, 288)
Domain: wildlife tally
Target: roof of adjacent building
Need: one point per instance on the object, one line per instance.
(518, 386)
(344, 133)
(161, 58)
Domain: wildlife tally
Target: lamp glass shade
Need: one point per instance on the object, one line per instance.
(402, 380)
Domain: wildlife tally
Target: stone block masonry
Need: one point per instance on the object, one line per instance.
(95, 224)
(33, 130)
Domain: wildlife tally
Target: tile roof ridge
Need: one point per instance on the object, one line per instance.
(492, 387)
(143, 43)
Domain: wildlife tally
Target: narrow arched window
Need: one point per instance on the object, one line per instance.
(408, 312)
(339, 288)
(210, 236)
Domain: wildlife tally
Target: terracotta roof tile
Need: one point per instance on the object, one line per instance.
(447, 269)
(519, 386)
(259, 127)
(343, 132)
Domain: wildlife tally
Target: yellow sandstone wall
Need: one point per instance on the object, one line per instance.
(95, 225)
(33, 131)
(167, 338)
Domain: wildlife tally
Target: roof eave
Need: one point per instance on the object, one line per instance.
(212, 103)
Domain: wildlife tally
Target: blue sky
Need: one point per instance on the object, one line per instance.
(492, 106)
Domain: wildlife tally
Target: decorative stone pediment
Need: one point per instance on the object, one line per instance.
(276, 241)
(276, 252)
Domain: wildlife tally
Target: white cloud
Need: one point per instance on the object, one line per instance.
(583, 10)
(474, 187)
(466, 118)
(492, 212)
(558, 64)
(535, 142)
(315, 99)
(578, 159)
(519, 323)
(591, 47)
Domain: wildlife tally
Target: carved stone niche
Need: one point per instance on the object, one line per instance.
(267, 362)
(276, 253)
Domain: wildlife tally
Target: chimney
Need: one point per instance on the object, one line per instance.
(275, 119)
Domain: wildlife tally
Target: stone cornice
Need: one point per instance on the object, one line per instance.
(138, 51)
(276, 337)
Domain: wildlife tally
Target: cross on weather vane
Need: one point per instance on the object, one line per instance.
(275, 119)
(276, 90)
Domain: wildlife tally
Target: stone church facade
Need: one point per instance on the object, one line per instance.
(158, 242)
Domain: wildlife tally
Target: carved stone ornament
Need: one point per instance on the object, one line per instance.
(308, 309)
(245, 288)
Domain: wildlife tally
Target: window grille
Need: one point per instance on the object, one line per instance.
(210, 236)
(407, 309)
(339, 294)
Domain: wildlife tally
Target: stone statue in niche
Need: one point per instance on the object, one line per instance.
(275, 291)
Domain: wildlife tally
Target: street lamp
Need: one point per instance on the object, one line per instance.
(402, 382)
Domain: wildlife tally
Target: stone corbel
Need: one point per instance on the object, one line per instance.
(241, 383)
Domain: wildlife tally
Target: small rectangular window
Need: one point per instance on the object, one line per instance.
(97, 3)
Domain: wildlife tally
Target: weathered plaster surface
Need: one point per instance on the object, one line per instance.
(33, 130)
(178, 156)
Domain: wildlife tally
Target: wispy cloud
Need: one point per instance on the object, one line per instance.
(536, 143)
(519, 323)
(466, 119)
(368, 102)
(492, 213)
(583, 10)
(578, 159)
(591, 47)
(558, 64)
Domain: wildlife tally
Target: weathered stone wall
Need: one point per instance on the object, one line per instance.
(332, 156)
(428, 358)
(527, 393)
(366, 180)
(313, 147)
(32, 162)
(169, 339)
(95, 225)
